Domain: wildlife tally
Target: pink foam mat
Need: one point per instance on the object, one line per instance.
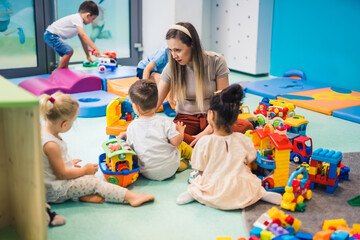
(65, 80)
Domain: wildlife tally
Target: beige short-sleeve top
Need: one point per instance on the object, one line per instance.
(215, 67)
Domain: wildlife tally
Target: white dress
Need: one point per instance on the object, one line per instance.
(227, 182)
(55, 188)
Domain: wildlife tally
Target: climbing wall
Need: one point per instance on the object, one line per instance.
(241, 31)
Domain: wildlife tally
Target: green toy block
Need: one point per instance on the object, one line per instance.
(354, 201)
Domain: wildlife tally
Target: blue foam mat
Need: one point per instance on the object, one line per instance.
(17, 81)
(277, 86)
(94, 103)
(120, 72)
(351, 114)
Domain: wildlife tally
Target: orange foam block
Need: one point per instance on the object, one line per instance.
(120, 86)
(324, 100)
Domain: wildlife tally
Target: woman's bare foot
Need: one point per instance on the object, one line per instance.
(95, 198)
(136, 199)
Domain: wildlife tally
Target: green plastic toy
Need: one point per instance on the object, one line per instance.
(88, 64)
(354, 201)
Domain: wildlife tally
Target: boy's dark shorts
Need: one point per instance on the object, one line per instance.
(56, 43)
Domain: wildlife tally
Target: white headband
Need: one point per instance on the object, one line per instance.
(181, 28)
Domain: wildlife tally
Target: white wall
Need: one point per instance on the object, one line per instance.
(159, 15)
(240, 30)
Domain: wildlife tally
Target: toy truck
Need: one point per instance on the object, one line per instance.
(244, 113)
(274, 111)
(302, 148)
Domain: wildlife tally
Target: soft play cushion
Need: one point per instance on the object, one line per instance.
(17, 81)
(324, 100)
(351, 114)
(278, 86)
(65, 80)
(119, 72)
(120, 86)
(94, 103)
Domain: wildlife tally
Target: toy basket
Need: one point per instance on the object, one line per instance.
(122, 178)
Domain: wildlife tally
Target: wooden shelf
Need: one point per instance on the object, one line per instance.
(22, 191)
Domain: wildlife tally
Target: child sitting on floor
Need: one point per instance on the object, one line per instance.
(157, 141)
(225, 180)
(64, 178)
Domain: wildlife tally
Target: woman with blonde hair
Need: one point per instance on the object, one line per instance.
(192, 76)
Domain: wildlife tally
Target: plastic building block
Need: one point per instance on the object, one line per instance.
(253, 237)
(304, 236)
(256, 231)
(277, 229)
(323, 235)
(333, 223)
(285, 237)
(339, 235)
(266, 235)
(326, 155)
(354, 201)
(356, 228)
(263, 221)
(344, 173)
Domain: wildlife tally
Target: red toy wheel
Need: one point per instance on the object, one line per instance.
(102, 68)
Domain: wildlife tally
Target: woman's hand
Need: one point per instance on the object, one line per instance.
(207, 131)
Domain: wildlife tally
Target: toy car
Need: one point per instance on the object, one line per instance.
(107, 63)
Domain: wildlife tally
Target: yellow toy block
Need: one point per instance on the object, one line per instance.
(334, 223)
(356, 228)
(312, 170)
(266, 235)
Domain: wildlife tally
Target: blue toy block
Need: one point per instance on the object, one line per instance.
(332, 171)
(256, 231)
(331, 189)
(339, 235)
(325, 155)
(304, 236)
(286, 237)
(344, 173)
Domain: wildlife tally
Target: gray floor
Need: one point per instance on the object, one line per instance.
(163, 219)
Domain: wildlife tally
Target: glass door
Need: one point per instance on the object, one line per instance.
(23, 22)
(113, 30)
(21, 50)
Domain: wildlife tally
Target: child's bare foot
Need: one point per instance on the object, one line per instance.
(136, 199)
(95, 198)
